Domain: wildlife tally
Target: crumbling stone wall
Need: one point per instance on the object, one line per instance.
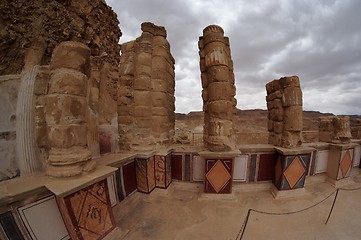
(146, 90)
(284, 104)
(335, 129)
(219, 104)
(40, 26)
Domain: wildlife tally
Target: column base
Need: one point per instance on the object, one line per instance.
(287, 193)
(339, 183)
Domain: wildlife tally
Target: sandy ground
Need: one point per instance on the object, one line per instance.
(184, 212)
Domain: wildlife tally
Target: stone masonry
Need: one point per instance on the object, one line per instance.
(66, 111)
(284, 104)
(219, 104)
(146, 90)
(335, 129)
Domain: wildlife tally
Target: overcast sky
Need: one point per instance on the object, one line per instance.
(319, 41)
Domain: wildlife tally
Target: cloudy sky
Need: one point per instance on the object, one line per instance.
(318, 40)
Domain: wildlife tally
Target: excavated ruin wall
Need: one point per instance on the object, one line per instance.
(25, 24)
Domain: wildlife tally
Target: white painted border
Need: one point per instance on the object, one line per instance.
(43, 220)
(321, 161)
(240, 168)
(357, 156)
(112, 190)
(198, 168)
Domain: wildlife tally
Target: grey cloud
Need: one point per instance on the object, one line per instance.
(316, 40)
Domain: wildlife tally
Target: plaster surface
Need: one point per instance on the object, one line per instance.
(180, 212)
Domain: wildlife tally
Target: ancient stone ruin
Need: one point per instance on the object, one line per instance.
(219, 104)
(335, 129)
(284, 103)
(146, 91)
(87, 123)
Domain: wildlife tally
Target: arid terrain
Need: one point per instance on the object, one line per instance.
(251, 125)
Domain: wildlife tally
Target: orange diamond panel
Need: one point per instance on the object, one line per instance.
(345, 163)
(218, 176)
(294, 171)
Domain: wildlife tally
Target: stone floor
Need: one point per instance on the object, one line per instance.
(183, 212)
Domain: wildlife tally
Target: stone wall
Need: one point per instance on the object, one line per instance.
(219, 104)
(284, 104)
(146, 90)
(39, 26)
(9, 85)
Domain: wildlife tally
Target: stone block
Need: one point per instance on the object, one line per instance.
(220, 109)
(270, 125)
(291, 139)
(270, 105)
(41, 135)
(159, 85)
(159, 99)
(159, 62)
(274, 95)
(65, 136)
(218, 91)
(214, 37)
(278, 127)
(142, 83)
(126, 120)
(160, 111)
(161, 51)
(290, 81)
(160, 41)
(218, 74)
(65, 109)
(128, 46)
(293, 118)
(292, 96)
(217, 57)
(73, 55)
(125, 110)
(142, 112)
(276, 114)
(127, 68)
(142, 98)
(154, 29)
(143, 122)
(205, 95)
(142, 70)
(68, 81)
(215, 46)
(144, 58)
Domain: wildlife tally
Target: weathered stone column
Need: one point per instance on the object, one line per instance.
(65, 111)
(219, 104)
(285, 124)
(146, 91)
(285, 118)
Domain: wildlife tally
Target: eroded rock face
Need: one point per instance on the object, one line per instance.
(284, 104)
(66, 108)
(146, 90)
(335, 129)
(219, 104)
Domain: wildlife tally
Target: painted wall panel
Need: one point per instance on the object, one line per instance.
(240, 168)
(112, 190)
(129, 178)
(177, 167)
(321, 161)
(198, 168)
(43, 221)
(357, 156)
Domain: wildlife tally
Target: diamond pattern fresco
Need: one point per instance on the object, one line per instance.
(90, 211)
(294, 172)
(218, 176)
(345, 163)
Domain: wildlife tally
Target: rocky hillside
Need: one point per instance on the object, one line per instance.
(251, 125)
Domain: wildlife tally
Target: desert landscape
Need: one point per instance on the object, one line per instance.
(251, 126)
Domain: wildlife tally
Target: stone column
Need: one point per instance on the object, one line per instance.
(285, 118)
(335, 129)
(65, 111)
(219, 104)
(285, 124)
(146, 91)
